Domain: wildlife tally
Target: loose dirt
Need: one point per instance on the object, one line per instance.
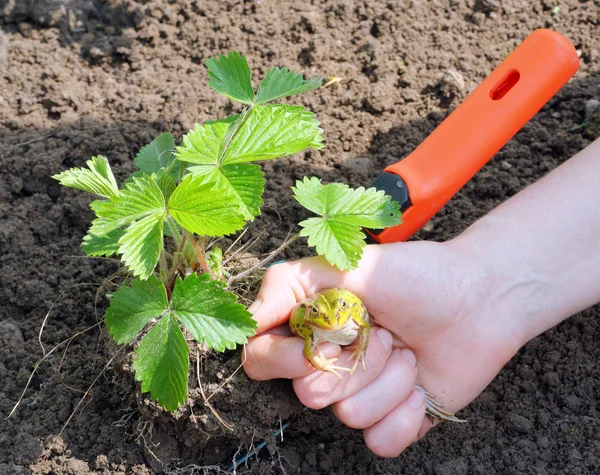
(81, 78)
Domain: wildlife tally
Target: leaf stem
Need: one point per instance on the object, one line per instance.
(266, 260)
(245, 114)
(199, 254)
(173, 230)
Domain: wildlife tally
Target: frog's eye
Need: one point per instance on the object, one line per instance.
(344, 304)
(314, 310)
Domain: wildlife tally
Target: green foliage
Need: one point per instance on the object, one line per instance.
(161, 218)
(162, 364)
(202, 145)
(205, 208)
(244, 182)
(97, 179)
(157, 155)
(105, 245)
(280, 82)
(208, 311)
(230, 75)
(337, 233)
(133, 307)
(274, 131)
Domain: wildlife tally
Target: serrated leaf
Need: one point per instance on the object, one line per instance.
(156, 155)
(140, 198)
(274, 131)
(230, 76)
(202, 145)
(162, 363)
(132, 307)
(281, 82)
(340, 243)
(105, 245)
(210, 313)
(370, 208)
(142, 244)
(97, 178)
(167, 185)
(204, 208)
(245, 181)
(337, 234)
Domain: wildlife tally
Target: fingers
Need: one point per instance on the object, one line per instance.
(389, 390)
(320, 389)
(273, 355)
(398, 429)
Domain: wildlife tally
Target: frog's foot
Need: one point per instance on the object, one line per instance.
(323, 364)
(434, 409)
(358, 355)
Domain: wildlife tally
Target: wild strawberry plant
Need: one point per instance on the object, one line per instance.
(160, 219)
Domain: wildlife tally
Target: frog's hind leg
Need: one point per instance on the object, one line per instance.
(319, 361)
(434, 409)
(360, 349)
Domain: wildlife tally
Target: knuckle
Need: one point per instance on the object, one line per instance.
(381, 445)
(352, 414)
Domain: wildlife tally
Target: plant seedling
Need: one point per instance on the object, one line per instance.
(160, 218)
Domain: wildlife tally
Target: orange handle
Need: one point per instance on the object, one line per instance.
(480, 126)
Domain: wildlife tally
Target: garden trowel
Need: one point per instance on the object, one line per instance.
(488, 118)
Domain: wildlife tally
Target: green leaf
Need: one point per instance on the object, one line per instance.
(230, 76)
(205, 208)
(97, 178)
(341, 243)
(202, 145)
(132, 308)
(337, 234)
(167, 185)
(274, 131)
(280, 82)
(210, 313)
(140, 197)
(156, 155)
(162, 364)
(142, 244)
(245, 181)
(105, 245)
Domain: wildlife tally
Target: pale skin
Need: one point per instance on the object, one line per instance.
(450, 315)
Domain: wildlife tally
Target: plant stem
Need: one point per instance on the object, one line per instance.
(199, 254)
(173, 230)
(238, 126)
(266, 260)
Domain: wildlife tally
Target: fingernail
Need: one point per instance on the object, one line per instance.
(386, 338)
(410, 356)
(276, 262)
(254, 307)
(416, 399)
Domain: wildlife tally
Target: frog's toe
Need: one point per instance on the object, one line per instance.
(323, 364)
(331, 368)
(434, 409)
(358, 356)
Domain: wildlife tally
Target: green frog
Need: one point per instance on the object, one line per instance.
(339, 316)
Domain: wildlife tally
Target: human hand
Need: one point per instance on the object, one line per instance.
(436, 327)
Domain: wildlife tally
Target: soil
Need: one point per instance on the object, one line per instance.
(81, 78)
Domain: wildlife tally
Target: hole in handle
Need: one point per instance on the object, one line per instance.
(508, 82)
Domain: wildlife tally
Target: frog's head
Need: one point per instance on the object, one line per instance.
(330, 307)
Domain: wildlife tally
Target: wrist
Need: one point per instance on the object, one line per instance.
(511, 289)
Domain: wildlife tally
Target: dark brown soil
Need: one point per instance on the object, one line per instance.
(81, 77)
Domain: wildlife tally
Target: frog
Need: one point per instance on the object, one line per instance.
(339, 316)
